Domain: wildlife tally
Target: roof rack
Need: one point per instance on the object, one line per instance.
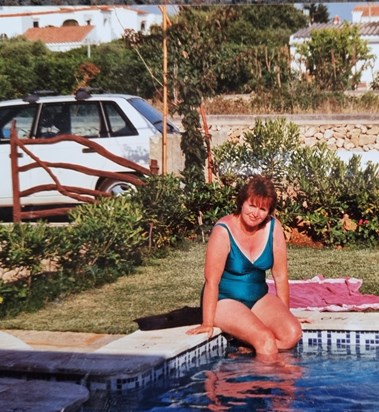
(84, 93)
(34, 97)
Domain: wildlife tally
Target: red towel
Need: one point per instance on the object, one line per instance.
(328, 295)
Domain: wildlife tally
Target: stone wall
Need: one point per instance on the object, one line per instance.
(345, 134)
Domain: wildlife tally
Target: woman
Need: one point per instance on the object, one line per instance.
(241, 248)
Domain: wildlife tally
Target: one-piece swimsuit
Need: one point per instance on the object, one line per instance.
(244, 280)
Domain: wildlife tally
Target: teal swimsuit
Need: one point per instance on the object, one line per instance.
(243, 280)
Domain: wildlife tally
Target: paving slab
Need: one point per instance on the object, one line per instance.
(163, 342)
(55, 341)
(167, 343)
(9, 340)
(362, 321)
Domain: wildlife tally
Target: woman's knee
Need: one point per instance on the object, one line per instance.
(291, 337)
(264, 342)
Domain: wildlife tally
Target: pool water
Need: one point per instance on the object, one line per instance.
(320, 380)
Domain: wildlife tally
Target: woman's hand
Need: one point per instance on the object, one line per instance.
(201, 329)
(304, 320)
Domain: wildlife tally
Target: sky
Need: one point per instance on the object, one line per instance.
(342, 10)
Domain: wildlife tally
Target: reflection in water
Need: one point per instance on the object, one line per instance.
(250, 384)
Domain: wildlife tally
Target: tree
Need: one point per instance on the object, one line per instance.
(18, 59)
(264, 24)
(121, 69)
(194, 41)
(335, 58)
(318, 13)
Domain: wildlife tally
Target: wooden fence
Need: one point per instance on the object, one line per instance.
(78, 194)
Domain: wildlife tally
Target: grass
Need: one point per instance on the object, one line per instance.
(175, 281)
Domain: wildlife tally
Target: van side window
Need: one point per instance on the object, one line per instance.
(23, 115)
(53, 121)
(78, 118)
(119, 124)
(86, 119)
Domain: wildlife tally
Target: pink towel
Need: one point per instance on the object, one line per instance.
(328, 295)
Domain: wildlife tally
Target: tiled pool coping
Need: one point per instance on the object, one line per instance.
(168, 368)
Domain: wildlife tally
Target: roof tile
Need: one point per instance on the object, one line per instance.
(64, 34)
(365, 29)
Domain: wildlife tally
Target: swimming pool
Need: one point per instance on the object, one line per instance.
(328, 371)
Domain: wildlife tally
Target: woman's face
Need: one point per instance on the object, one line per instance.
(254, 211)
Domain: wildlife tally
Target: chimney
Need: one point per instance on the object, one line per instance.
(336, 20)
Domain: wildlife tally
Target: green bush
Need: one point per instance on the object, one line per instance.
(334, 196)
(173, 211)
(103, 241)
(267, 149)
(164, 216)
(208, 202)
(24, 248)
(103, 237)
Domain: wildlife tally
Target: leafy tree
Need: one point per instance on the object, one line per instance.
(121, 70)
(58, 72)
(335, 58)
(318, 13)
(194, 44)
(18, 60)
(264, 24)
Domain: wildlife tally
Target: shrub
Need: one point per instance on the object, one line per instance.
(334, 196)
(164, 216)
(103, 237)
(267, 150)
(103, 242)
(208, 202)
(26, 248)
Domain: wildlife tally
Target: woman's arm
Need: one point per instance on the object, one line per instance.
(280, 266)
(216, 255)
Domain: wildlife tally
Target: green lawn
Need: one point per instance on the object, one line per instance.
(175, 281)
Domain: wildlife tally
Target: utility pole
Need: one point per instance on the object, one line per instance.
(165, 109)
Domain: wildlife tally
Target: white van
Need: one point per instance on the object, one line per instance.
(122, 124)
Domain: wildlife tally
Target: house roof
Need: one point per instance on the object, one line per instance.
(365, 29)
(64, 34)
(368, 10)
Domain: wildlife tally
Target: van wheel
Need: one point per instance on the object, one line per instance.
(116, 187)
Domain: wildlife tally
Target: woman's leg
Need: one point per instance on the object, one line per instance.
(236, 319)
(277, 317)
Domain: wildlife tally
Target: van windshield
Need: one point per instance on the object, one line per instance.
(153, 115)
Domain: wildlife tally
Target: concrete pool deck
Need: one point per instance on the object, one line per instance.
(26, 357)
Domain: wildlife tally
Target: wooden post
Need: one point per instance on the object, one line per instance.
(207, 142)
(165, 110)
(15, 175)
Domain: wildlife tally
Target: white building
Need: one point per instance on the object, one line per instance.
(367, 13)
(64, 28)
(366, 17)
